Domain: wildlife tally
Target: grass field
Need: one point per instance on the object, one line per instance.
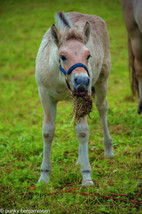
(117, 181)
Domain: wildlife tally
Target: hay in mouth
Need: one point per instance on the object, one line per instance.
(82, 104)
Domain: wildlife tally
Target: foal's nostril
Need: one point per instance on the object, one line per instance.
(78, 80)
(86, 81)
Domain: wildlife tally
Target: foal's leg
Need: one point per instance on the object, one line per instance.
(101, 103)
(82, 131)
(48, 129)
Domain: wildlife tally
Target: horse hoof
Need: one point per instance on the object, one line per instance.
(87, 183)
(43, 179)
(109, 154)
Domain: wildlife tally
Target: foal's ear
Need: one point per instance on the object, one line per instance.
(86, 32)
(55, 34)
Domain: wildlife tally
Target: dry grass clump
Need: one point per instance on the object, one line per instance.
(82, 104)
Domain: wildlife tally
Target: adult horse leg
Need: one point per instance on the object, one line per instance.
(48, 129)
(101, 103)
(140, 97)
(138, 68)
(136, 42)
(139, 57)
(82, 131)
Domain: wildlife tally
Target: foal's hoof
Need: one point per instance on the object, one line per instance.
(44, 178)
(109, 154)
(87, 183)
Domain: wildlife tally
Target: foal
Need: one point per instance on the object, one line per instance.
(74, 55)
(132, 10)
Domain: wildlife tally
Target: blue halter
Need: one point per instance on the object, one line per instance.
(72, 68)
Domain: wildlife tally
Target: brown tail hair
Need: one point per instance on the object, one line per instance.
(132, 72)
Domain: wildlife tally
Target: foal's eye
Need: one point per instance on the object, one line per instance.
(88, 57)
(63, 58)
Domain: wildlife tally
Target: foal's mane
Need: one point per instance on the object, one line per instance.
(62, 20)
(65, 25)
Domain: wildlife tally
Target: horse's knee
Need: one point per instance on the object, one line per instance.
(82, 134)
(102, 108)
(48, 131)
(82, 131)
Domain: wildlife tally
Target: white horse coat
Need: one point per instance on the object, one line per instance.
(76, 38)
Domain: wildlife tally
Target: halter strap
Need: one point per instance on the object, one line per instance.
(70, 70)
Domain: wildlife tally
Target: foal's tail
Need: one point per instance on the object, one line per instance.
(132, 72)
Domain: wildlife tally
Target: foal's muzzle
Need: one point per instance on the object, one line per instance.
(81, 82)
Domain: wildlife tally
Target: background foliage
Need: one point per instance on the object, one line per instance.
(22, 26)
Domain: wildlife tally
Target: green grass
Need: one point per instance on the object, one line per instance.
(22, 25)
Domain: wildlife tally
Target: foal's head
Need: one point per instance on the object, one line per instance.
(72, 51)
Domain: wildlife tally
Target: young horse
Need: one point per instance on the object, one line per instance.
(74, 54)
(132, 10)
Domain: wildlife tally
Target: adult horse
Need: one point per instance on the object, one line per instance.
(132, 10)
(74, 56)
